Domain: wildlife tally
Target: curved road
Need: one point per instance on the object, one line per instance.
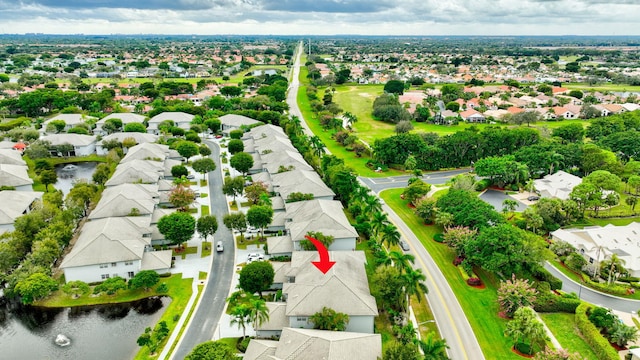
(450, 318)
(435, 177)
(209, 309)
(592, 296)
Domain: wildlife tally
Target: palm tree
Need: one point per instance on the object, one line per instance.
(433, 348)
(556, 161)
(390, 235)
(378, 221)
(406, 334)
(258, 312)
(413, 280)
(401, 261)
(530, 186)
(372, 204)
(509, 205)
(350, 118)
(616, 267)
(240, 316)
(631, 201)
(317, 145)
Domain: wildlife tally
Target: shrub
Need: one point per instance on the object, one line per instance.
(482, 185)
(439, 237)
(463, 273)
(523, 348)
(541, 274)
(242, 344)
(515, 187)
(609, 289)
(548, 302)
(592, 336)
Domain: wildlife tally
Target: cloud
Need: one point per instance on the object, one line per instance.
(373, 17)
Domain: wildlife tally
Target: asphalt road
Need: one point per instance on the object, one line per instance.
(592, 296)
(292, 94)
(450, 318)
(211, 304)
(392, 182)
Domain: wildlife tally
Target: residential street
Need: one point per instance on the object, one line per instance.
(211, 305)
(592, 296)
(450, 318)
(292, 92)
(392, 182)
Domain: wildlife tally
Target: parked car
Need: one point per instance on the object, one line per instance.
(191, 176)
(254, 257)
(533, 198)
(404, 245)
(219, 247)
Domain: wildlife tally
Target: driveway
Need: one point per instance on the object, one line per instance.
(495, 199)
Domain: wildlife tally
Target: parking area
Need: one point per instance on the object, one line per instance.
(495, 198)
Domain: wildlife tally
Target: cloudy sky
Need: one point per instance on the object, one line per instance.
(367, 17)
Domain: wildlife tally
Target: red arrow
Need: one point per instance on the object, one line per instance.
(324, 264)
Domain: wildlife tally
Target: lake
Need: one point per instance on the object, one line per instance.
(66, 178)
(101, 332)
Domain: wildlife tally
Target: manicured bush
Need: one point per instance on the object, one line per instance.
(242, 344)
(463, 273)
(629, 279)
(439, 237)
(592, 336)
(555, 303)
(482, 184)
(523, 348)
(541, 274)
(612, 289)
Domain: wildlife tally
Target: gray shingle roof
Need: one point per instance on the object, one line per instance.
(73, 139)
(109, 240)
(15, 204)
(120, 199)
(14, 175)
(234, 120)
(325, 216)
(11, 157)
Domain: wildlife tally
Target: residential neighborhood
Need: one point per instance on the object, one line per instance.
(289, 198)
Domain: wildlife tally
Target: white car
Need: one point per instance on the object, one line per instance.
(219, 247)
(254, 257)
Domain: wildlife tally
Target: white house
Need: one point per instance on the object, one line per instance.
(140, 138)
(180, 119)
(83, 145)
(15, 176)
(307, 344)
(598, 243)
(70, 120)
(234, 122)
(11, 157)
(344, 288)
(15, 204)
(127, 118)
(116, 246)
(558, 185)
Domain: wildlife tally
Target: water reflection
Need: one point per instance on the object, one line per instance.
(66, 178)
(96, 332)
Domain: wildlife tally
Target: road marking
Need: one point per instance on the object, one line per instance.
(446, 307)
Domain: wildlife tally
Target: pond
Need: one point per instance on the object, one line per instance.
(69, 173)
(96, 332)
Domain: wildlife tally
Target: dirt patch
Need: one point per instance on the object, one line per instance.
(521, 354)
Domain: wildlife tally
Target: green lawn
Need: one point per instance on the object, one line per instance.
(614, 221)
(563, 326)
(60, 299)
(204, 210)
(480, 305)
(601, 87)
(206, 249)
(183, 252)
(172, 317)
(358, 164)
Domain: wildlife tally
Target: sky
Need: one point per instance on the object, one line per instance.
(322, 17)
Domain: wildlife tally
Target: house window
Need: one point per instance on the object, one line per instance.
(302, 319)
(590, 260)
(104, 276)
(130, 274)
(128, 262)
(113, 264)
(581, 251)
(102, 266)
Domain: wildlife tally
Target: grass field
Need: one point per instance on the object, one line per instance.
(480, 305)
(356, 163)
(233, 79)
(602, 87)
(563, 326)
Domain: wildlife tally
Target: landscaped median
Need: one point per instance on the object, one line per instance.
(480, 305)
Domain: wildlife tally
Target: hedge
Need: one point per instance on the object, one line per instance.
(439, 237)
(541, 274)
(6, 126)
(482, 185)
(592, 336)
(609, 289)
(555, 303)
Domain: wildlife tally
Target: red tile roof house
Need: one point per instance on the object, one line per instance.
(472, 115)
